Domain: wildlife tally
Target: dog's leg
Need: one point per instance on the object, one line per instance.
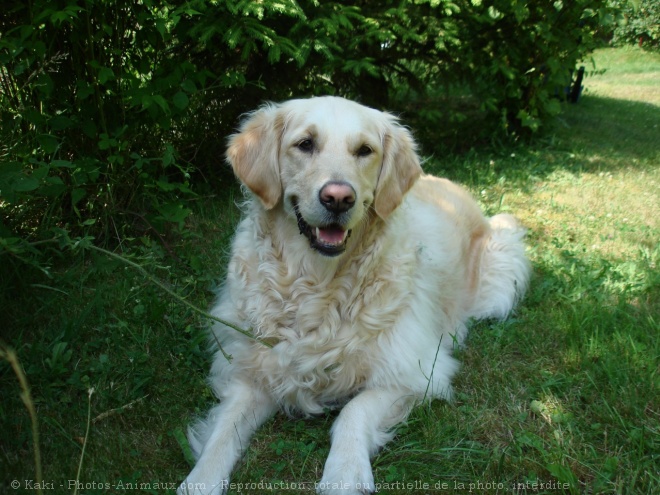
(230, 427)
(363, 426)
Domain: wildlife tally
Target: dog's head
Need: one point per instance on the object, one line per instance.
(326, 161)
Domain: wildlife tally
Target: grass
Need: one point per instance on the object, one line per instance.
(561, 398)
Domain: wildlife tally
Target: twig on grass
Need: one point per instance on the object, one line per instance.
(117, 410)
(84, 446)
(9, 355)
(85, 243)
(176, 296)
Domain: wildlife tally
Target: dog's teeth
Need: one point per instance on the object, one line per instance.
(331, 236)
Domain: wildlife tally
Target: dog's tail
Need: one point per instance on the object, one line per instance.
(504, 269)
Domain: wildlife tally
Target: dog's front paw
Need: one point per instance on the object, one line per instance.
(349, 476)
(195, 486)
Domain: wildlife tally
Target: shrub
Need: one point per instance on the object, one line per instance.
(639, 24)
(113, 114)
(507, 63)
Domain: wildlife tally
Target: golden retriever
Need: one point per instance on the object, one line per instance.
(359, 271)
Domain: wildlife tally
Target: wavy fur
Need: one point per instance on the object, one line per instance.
(371, 330)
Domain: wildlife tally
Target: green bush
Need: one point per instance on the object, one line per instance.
(113, 114)
(92, 102)
(496, 65)
(639, 24)
(108, 108)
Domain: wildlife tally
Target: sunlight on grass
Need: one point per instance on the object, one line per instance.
(578, 371)
(630, 74)
(604, 196)
(616, 214)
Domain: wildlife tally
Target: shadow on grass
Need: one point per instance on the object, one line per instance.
(612, 128)
(595, 135)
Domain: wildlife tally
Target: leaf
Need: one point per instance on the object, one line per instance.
(196, 264)
(61, 164)
(41, 172)
(60, 123)
(54, 181)
(181, 100)
(106, 74)
(168, 156)
(274, 54)
(107, 142)
(181, 439)
(562, 474)
(166, 186)
(77, 195)
(526, 120)
(188, 85)
(553, 107)
(48, 143)
(174, 212)
(25, 184)
(160, 101)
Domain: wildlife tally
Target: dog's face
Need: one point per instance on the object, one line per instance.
(326, 161)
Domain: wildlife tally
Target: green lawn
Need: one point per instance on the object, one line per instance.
(561, 398)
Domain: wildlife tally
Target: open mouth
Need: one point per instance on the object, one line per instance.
(329, 240)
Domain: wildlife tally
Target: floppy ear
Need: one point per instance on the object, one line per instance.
(399, 171)
(254, 154)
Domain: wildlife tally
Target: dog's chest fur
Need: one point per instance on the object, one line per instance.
(321, 317)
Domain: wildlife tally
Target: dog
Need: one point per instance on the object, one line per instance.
(357, 275)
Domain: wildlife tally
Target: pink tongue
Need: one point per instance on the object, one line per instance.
(331, 235)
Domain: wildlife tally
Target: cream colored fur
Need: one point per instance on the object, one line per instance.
(370, 329)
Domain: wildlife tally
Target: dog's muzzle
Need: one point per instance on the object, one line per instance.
(329, 239)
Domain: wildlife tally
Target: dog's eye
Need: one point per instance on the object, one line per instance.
(306, 145)
(364, 150)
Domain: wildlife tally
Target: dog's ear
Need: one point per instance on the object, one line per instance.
(399, 171)
(254, 154)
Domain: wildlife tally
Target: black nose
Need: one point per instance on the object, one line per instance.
(337, 197)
